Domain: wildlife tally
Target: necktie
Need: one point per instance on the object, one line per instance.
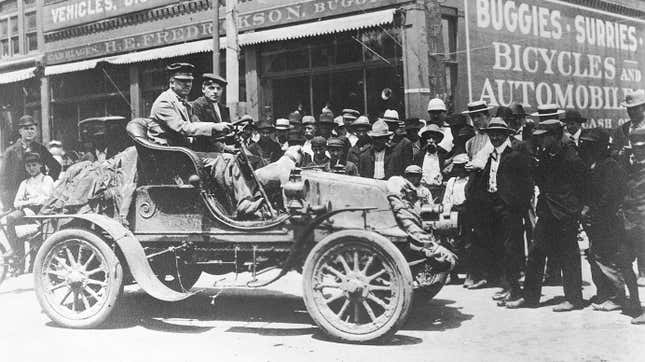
(493, 155)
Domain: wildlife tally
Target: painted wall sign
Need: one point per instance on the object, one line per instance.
(252, 14)
(270, 13)
(549, 51)
(75, 12)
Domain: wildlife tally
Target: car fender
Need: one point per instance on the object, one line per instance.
(134, 256)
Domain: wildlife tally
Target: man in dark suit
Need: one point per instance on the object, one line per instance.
(375, 162)
(502, 191)
(560, 175)
(622, 150)
(13, 170)
(266, 148)
(207, 109)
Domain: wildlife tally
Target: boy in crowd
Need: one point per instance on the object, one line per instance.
(32, 193)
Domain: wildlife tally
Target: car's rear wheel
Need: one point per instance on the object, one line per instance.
(357, 286)
(77, 278)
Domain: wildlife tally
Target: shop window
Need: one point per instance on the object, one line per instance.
(382, 44)
(4, 28)
(348, 50)
(449, 35)
(377, 80)
(29, 3)
(322, 55)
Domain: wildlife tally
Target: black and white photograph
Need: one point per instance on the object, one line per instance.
(322, 180)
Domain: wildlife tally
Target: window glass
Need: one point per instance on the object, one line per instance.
(348, 50)
(15, 45)
(4, 28)
(29, 2)
(31, 42)
(30, 21)
(13, 23)
(382, 44)
(4, 44)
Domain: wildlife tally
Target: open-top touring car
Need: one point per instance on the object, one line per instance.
(340, 232)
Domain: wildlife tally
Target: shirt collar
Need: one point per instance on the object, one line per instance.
(503, 146)
(577, 134)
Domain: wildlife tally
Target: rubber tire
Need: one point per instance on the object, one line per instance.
(4, 267)
(401, 267)
(425, 294)
(113, 264)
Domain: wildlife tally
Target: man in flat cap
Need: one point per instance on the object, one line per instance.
(319, 149)
(12, 171)
(208, 109)
(560, 175)
(266, 147)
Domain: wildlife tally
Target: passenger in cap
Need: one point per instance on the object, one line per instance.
(319, 149)
(412, 173)
(338, 163)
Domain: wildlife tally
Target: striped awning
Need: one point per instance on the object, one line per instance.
(322, 27)
(17, 75)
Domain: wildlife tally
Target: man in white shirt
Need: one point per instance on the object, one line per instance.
(502, 192)
(573, 124)
(479, 147)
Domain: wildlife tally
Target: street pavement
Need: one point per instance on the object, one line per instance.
(237, 324)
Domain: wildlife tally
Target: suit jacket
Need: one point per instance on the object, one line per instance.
(561, 179)
(402, 155)
(366, 163)
(441, 153)
(619, 146)
(514, 181)
(204, 111)
(172, 122)
(12, 171)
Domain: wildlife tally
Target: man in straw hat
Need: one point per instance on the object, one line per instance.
(349, 117)
(502, 192)
(479, 147)
(12, 171)
(560, 175)
(375, 162)
(622, 148)
(437, 111)
(635, 200)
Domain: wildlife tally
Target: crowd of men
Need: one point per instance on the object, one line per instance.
(525, 186)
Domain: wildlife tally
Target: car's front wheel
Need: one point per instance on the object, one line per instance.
(77, 278)
(357, 286)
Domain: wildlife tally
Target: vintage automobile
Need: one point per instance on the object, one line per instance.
(339, 231)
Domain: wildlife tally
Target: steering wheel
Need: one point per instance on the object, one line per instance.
(234, 131)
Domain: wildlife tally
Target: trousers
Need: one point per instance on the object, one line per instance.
(14, 219)
(231, 183)
(555, 239)
(506, 231)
